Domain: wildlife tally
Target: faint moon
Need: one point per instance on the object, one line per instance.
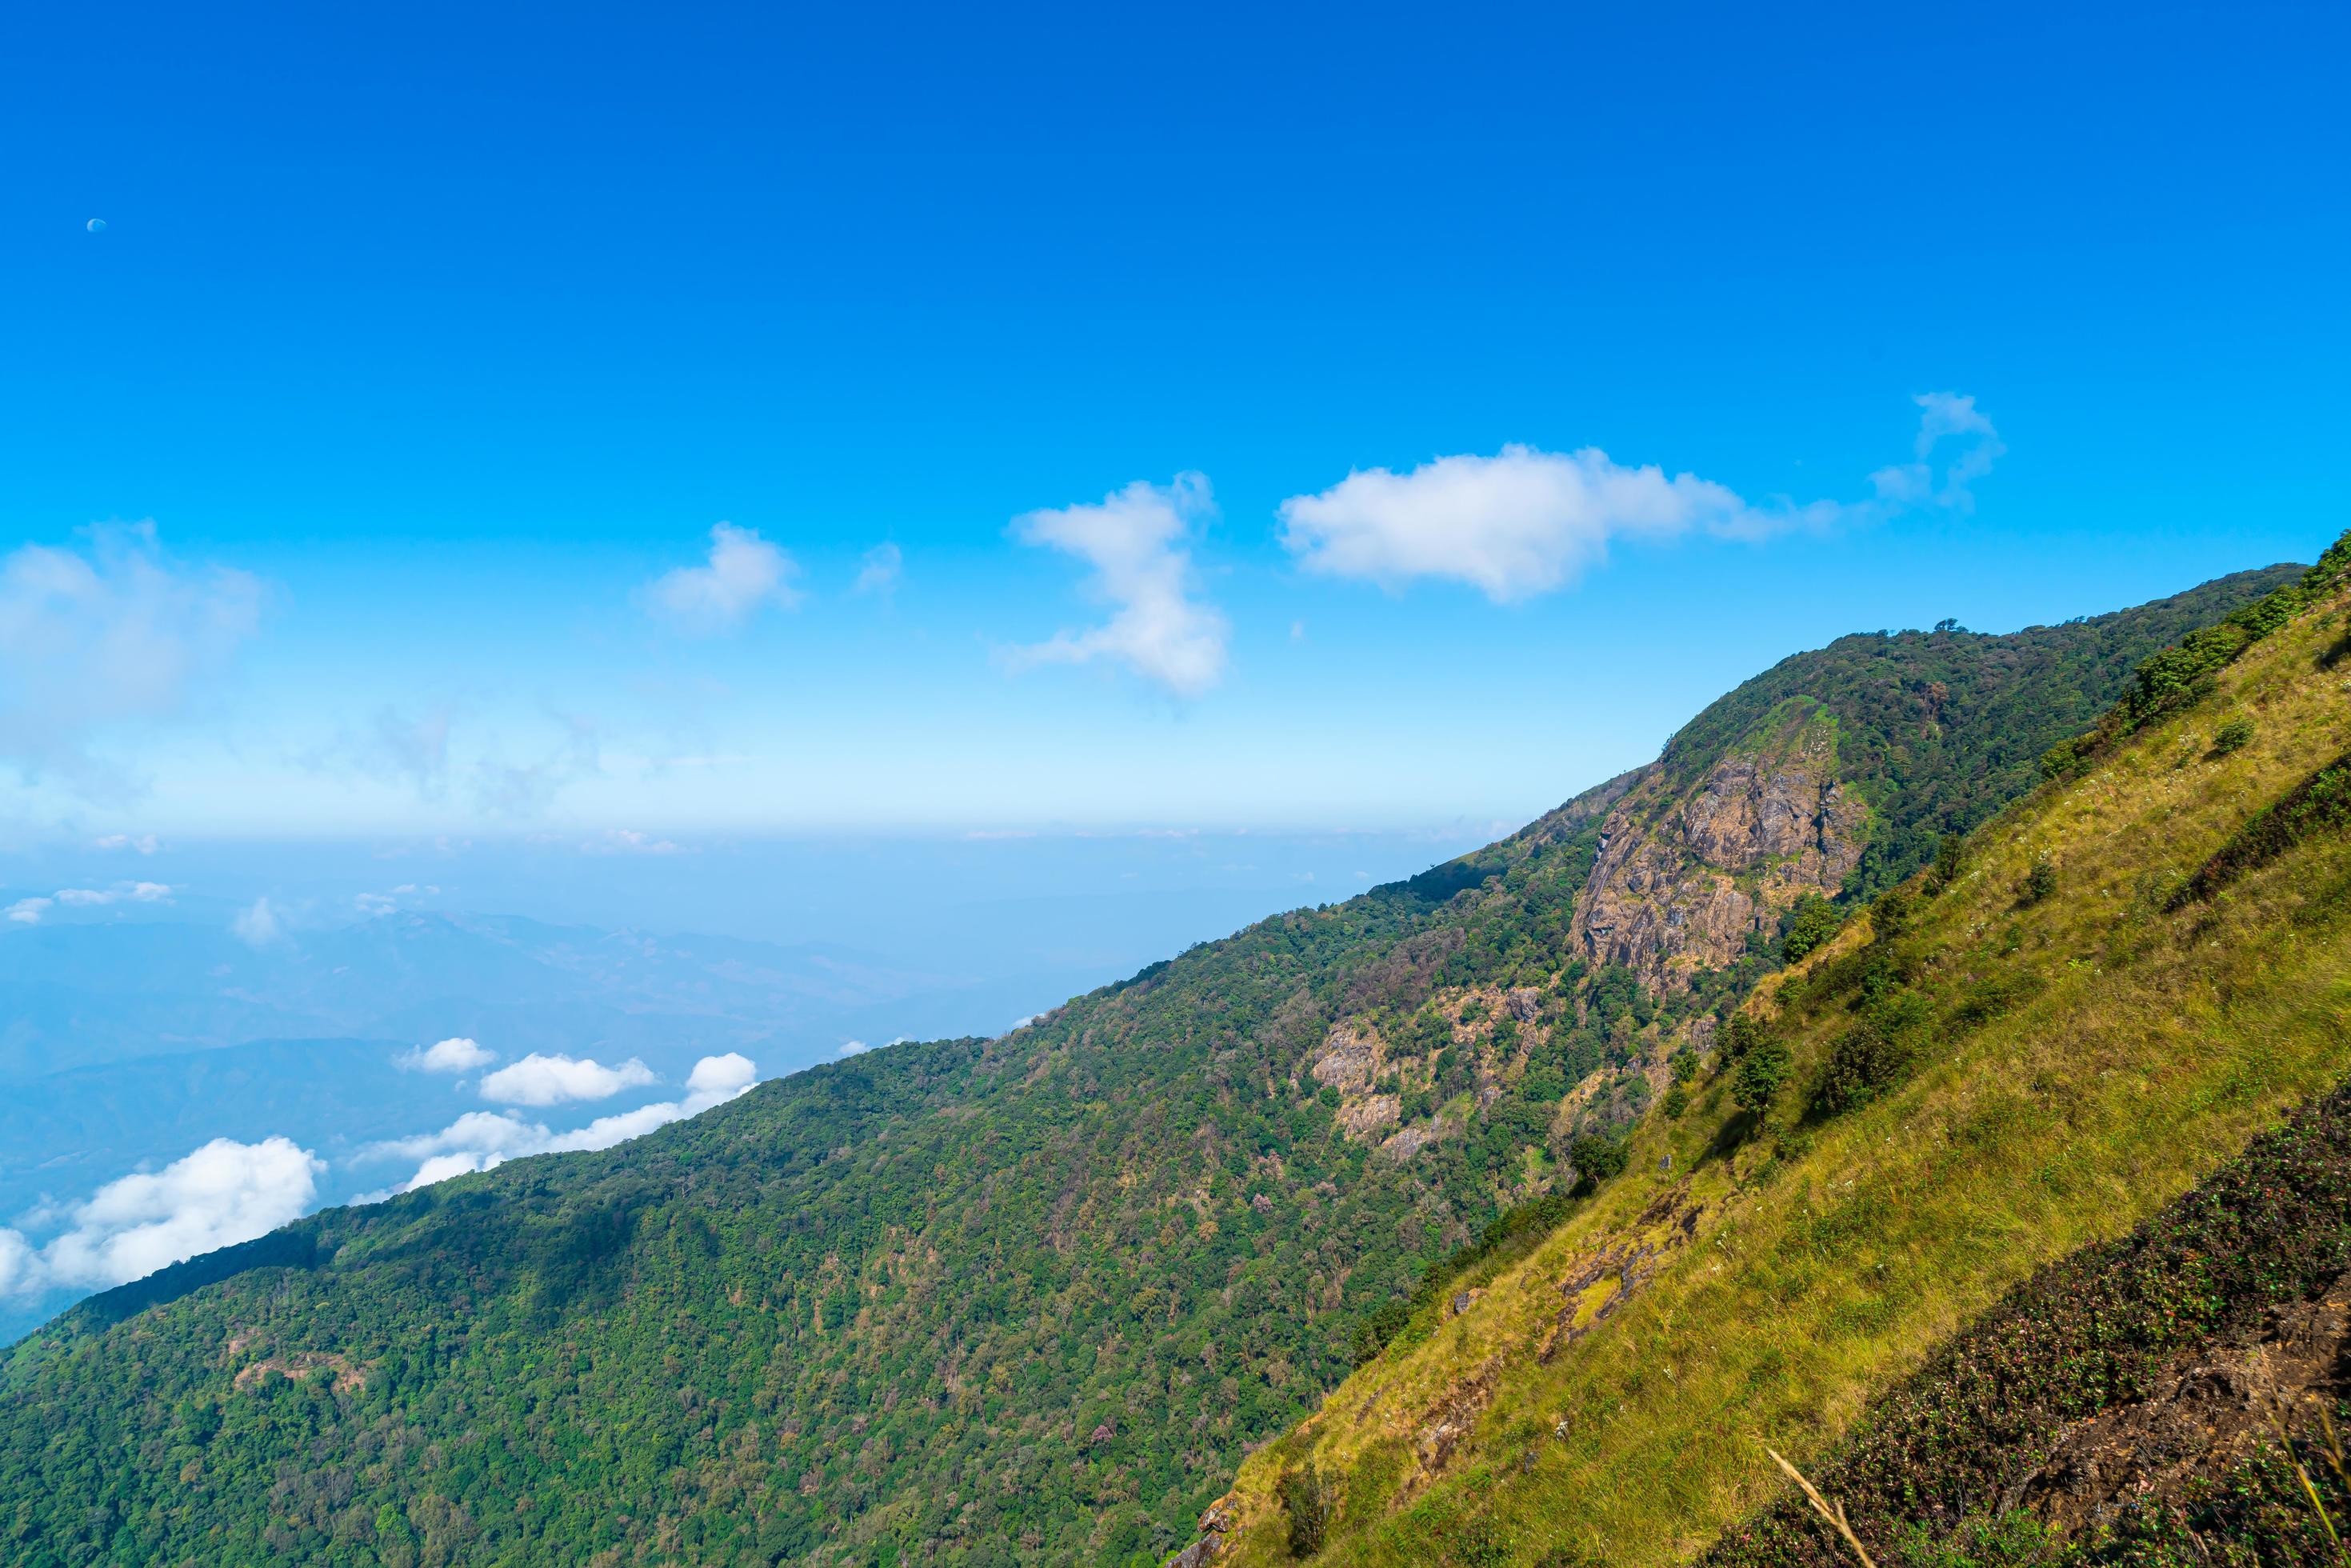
(98, 225)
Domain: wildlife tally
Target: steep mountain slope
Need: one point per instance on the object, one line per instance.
(2033, 1048)
(1028, 1298)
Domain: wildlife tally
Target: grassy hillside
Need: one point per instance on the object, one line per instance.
(1026, 1298)
(2029, 1053)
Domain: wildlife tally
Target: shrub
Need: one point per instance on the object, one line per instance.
(1950, 861)
(1812, 922)
(1892, 913)
(1598, 1157)
(1867, 1059)
(2041, 881)
(1676, 1099)
(1306, 1498)
(1387, 1320)
(1683, 1066)
(1763, 1069)
(2233, 736)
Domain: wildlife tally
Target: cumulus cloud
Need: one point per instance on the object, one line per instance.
(718, 1078)
(457, 1054)
(223, 1193)
(744, 573)
(1135, 540)
(482, 1140)
(542, 1080)
(29, 911)
(257, 926)
(879, 572)
(95, 637)
(1525, 521)
(852, 1048)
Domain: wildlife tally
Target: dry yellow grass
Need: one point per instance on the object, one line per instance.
(2155, 1048)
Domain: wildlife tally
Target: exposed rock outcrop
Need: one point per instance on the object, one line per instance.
(1680, 884)
(1350, 1058)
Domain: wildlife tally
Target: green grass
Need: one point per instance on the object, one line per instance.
(2093, 1056)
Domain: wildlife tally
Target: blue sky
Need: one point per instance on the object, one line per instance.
(432, 343)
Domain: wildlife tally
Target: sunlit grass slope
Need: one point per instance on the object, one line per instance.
(2085, 1057)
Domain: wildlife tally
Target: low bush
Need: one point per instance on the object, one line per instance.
(1306, 1500)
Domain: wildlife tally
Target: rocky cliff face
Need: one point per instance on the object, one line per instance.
(1680, 884)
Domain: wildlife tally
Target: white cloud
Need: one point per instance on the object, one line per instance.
(457, 1054)
(879, 572)
(29, 911)
(1135, 540)
(483, 1134)
(745, 572)
(257, 926)
(482, 1140)
(145, 843)
(852, 1048)
(441, 1167)
(718, 1078)
(223, 1193)
(1525, 521)
(89, 640)
(20, 1265)
(541, 1080)
(137, 892)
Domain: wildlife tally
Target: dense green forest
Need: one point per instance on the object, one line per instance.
(1026, 1298)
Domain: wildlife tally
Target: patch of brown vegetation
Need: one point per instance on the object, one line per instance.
(346, 1378)
(2212, 1407)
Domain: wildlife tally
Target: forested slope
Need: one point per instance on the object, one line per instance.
(1030, 1298)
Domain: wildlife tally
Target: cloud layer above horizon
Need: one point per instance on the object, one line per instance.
(111, 641)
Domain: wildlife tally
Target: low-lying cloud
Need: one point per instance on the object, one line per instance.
(1526, 521)
(482, 1140)
(543, 1080)
(222, 1194)
(457, 1054)
(29, 911)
